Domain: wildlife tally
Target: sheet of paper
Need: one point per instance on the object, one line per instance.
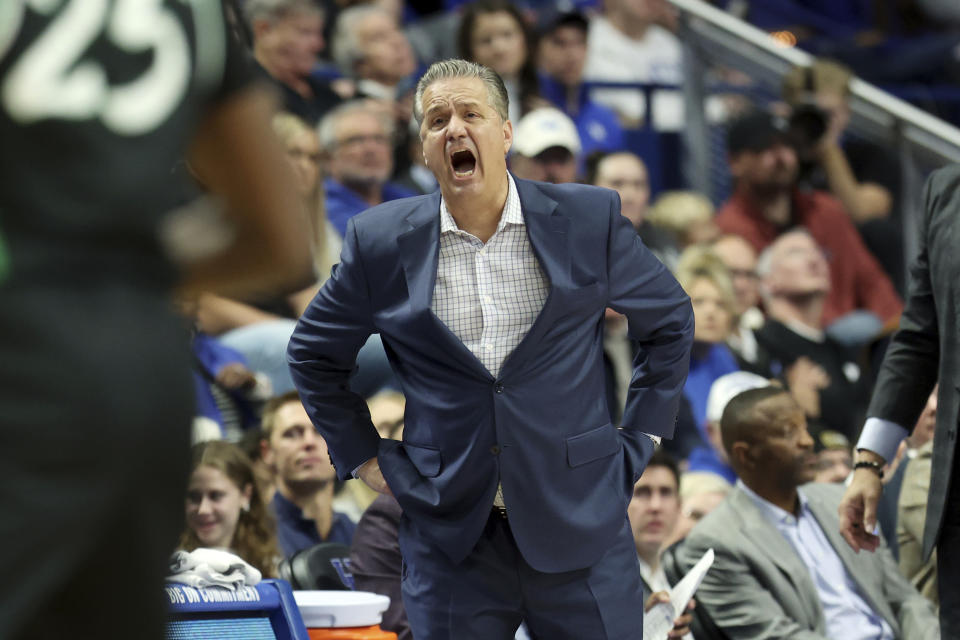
(658, 622)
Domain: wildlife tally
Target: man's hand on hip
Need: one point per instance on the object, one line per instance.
(370, 473)
(858, 509)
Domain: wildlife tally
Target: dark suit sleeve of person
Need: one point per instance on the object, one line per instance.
(376, 563)
(660, 321)
(909, 369)
(737, 602)
(323, 352)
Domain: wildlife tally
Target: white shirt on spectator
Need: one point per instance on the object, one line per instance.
(612, 56)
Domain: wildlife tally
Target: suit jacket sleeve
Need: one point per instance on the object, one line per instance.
(323, 352)
(734, 599)
(910, 367)
(659, 318)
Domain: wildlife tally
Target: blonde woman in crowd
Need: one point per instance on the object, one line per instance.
(705, 279)
(224, 509)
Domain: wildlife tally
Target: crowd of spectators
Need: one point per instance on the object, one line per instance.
(792, 293)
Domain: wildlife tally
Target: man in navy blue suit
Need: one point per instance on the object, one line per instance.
(489, 297)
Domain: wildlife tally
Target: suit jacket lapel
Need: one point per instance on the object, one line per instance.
(772, 544)
(547, 232)
(419, 252)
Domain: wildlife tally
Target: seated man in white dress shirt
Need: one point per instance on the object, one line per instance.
(781, 568)
(653, 512)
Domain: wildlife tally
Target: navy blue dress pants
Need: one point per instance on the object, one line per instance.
(486, 596)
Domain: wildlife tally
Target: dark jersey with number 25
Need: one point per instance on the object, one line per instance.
(98, 101)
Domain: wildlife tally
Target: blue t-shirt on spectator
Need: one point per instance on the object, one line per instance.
(294, 532)
(706, 459)
(597, 124)
(704, 369)
(343, 202)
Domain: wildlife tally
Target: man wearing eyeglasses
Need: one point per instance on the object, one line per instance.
(357, 138)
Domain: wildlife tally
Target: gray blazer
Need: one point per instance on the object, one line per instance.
(759, 587)
(927, 346)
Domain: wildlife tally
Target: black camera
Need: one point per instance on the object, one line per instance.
(807, 125)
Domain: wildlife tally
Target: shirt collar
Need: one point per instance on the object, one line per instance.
(771, 512)
(511, 213)
(286, 509)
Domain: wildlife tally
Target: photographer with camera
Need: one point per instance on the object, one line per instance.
(768, 200)
(861, 175)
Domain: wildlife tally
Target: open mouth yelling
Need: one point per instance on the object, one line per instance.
(464, 163)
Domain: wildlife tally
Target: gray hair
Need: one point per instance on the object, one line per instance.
(765, 260)
(327, 130)
(456, 68)
(344, 46)
(272, 10)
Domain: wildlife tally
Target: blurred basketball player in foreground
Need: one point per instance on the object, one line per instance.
(99, 100)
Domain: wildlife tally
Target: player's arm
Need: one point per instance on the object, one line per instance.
(236, 156)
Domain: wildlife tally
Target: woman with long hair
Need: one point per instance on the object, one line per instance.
(224, 509)
(495, 34)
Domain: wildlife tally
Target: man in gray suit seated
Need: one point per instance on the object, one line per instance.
(781, 568)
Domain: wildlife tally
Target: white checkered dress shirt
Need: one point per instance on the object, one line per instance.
(489, 295)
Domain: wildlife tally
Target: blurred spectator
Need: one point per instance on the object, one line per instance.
(834, 457)
(822, 374)
(912, 507)
(357, 140)
(712, 458)
(287, 38)
(781, 568)
(631, 42)
(561, 57)
(495, 34)
(862, 175)
(416, 176)
(688, 215)
(625, 173)
(224, 510)
(262, 473)
(706, 281)
(228, 392)
(369, 47)
(546, 147)
(303, 502)
(700, 493)
(302, 145)
(386, 414)
(740, 258)
(766, 202)
(652, 513)
(260, 328)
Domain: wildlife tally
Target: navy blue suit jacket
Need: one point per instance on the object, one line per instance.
(542, 427)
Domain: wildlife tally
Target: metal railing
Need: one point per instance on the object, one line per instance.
(712, 37)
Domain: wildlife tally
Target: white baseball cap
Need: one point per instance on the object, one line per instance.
(544, 128)
(727, 387)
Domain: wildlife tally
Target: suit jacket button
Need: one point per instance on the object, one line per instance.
(495, 450)
(498, 387)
